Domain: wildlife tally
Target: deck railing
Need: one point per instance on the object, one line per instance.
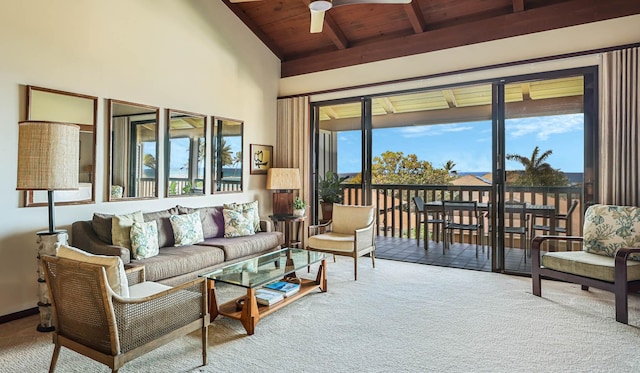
(396, 210)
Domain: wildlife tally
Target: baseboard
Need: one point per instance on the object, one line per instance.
(18, 315)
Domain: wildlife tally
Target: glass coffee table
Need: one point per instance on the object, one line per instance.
(254, 273)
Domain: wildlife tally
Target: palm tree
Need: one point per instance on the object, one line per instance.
(536, 170)
(449, 166)
(225, 153)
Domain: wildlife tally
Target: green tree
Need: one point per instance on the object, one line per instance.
(449, 166)
(149, 161)
(396, 168)
(225, 153)
(537, 172)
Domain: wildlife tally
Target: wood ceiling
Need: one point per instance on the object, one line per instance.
(363, 33)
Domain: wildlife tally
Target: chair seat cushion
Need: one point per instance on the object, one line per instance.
(585, 264)
(146, 289)
(332, 241)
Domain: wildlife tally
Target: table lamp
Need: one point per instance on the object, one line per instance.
(283, 180)
(48, 159)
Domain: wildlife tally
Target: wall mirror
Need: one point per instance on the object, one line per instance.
(186, 147)
(227, 165)
(58, 106)
(133, 151)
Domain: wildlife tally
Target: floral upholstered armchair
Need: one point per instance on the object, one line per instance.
(609, 259)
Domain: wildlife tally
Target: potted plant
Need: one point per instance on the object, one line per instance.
(330, 191)
(299, 207)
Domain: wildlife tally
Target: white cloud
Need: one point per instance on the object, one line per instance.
(544, 127)
(433, 130)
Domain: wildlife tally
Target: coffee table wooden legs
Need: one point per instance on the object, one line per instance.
(321, 277)
(213, 300)
(250, 315)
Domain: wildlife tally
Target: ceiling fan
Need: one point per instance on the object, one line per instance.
(319, 7)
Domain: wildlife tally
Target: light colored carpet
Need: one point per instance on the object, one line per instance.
(398, 317)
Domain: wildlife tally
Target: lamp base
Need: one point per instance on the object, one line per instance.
(283, 203)
(48, 244)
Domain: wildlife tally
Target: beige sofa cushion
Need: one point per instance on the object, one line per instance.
(121, 228)
(116, 277)
(176, 261)
(346, 219)
(590, 265)
(236, 247)
(146, 289)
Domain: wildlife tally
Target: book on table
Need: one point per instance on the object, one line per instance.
(268, 297)
(286, 288)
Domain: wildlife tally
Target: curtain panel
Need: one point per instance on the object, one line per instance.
(619, 133)
(293, 147)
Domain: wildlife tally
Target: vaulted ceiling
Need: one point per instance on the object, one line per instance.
(362, 33)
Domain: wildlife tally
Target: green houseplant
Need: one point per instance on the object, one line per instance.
(330, 191)
(299, 206)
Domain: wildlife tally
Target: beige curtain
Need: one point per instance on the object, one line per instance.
(120, 156)
(293, 147)
(619, 128)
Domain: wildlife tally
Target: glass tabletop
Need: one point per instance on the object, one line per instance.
(259, 271)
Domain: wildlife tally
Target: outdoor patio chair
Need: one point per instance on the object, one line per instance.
(97, 314)
(426, 218)
(559, 217)
(462, 216)
(517, 222)
(351, 232)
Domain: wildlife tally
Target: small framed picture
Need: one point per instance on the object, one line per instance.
(261, 159)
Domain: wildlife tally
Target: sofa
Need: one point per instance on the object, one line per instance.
(174, 265)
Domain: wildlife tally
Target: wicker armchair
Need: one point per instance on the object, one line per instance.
(96, 322)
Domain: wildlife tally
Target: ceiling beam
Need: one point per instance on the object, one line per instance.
(333, 31)
(518, 6)
(414, 13)
(569, 13)
(255, 29)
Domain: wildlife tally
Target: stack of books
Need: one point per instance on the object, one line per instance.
(285, 288)
(268, 297)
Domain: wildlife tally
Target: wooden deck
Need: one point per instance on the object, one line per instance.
(457, 256)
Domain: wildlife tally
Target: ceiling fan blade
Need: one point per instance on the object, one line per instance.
(350, 2)
(317, 20)
(241, 1)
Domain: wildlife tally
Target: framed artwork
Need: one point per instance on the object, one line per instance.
(261, 158)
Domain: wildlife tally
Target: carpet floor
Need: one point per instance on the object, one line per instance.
(398, 317)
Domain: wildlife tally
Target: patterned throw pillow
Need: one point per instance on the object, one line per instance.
(117, 191)
(608, 228)
(187, 229)
(121, 228)
(236, 224)
(144, 240)
(249, 210)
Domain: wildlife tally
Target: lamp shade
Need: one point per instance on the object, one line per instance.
(48, 156)
(283, 178)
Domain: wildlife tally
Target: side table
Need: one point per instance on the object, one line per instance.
(289, 228)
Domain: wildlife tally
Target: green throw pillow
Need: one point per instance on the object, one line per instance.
(236, 224)
(187, 229)
(144, 240)
(249, 210)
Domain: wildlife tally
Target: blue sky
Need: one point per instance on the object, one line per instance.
(180, 153)
(469, 144)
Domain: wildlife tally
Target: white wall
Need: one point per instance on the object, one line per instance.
(613, 32)
(191, 55)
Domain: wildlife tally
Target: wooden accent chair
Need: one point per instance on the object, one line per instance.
(93, 320)
(609, 259)
(424, 219)
(351, 232)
